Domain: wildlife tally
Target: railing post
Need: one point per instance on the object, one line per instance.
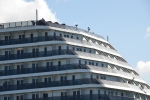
(52, 95)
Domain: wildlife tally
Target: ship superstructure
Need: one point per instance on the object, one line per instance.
(41, 60)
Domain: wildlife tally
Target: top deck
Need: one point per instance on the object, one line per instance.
(48, 23)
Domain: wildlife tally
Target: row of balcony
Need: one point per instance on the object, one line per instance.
(52, 68)
(29, 40)
(66, 82)
(91, 44)
(32, 23)
(96, 56)
(36, 54)
(47, 84)
(86, 97)
(42, 69)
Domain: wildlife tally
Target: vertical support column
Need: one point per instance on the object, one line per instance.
(26, 65)
(12, 51)
(54, 78)
(52, 95)
(1, 51)
(40, 64)
(11, 38)
(145, 97)
(82, 76)
(12, 66)
(25, 80)
(25, 96)
(1, 36)
(53, 49)
(40, 79)
(67, 61)
(36, 15)
(133, 95)
(39, 36)
(25, 49)
(82, 93)
(12, 97)
(40, 94)
(12, 82)
(82, 38)
(68, 93)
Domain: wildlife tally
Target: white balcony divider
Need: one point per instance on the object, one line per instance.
(104, 69)
(121, 84)
(104, 58)
(109, 50)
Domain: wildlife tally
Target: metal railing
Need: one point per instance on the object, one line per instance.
(36, 54)
(121, 84)
(72, 28)
(30, 40)
(90, 44)
(113, 83)
(33, 23)
(17, 24)
(42, 69)
(96, 56)
(104, 69)
(47, 84)
(86, 97)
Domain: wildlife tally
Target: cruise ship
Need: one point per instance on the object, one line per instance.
(44, 60)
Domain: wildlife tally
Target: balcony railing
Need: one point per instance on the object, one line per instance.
(86, 97)
(90, 44)
(96, 56)
(47, 84)
(63, 67)
(42, 69)
(55, 25)
(120, 84)
(36, 54)
(30, 40)
(104, 69)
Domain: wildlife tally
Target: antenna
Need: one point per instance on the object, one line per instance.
(107, 38)
(88, 29)
(36, 15)
(76, 25)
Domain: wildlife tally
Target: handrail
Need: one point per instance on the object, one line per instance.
(31, 23)
(101, 57)
(5, 87)
(41, 69)
(30, 40)
(36, 54)
(90, 44)
(98, 68)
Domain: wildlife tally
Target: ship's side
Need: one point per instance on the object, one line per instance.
(51, 61)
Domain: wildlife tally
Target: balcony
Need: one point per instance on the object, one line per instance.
(36, 54)
(91, 44)
(103, 58)
(47, 84)
(113, 71)
(42, 69)
(33, 23)
(86, 97)
(30, 40)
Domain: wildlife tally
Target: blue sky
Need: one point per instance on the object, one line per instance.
(124, 21)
